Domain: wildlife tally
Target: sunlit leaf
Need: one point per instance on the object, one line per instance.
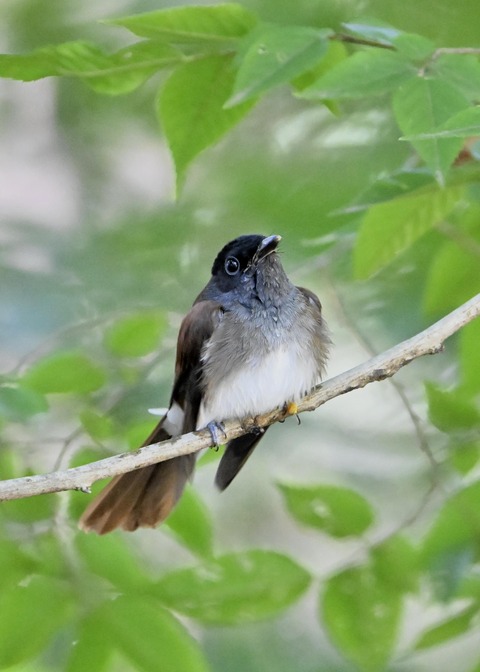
(390, 228)
(366, 73)
(338, 511)
(180, 25)
(191, 108)
(362, 616)
(236, 588)
(191, 523)
(420, 106)
(452, 627)
(276, 55)
(64, 372)
(31, 616)
(150, 637)
(136, 335)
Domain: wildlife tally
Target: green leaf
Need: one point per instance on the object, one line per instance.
(338, 511)
(17, 404)
(453, 278)
(464, 455)
(452, 410)
(366, 73)
(362, 617)
(30, 509)
(91, 649)
(420, 106)
(470, 357)
(459, 70)
(235, 588)
(112, 559)
(136, 335)
(448, 629)
(414, 47)
(463, 124)
(456, 530)
(114, 74)
(191, 108)
(184, 25)
(276, 55)
(191, 524)
(31, 616)
(392, 227)
(99, 427)
(395, 562)
(64, 372)
(15, 564)
(149, 636)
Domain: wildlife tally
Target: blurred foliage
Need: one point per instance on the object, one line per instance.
(280, 117)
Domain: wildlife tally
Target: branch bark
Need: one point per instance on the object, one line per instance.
(384, 365)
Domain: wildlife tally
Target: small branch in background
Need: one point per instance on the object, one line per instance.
(398, 387)
(351, 39)
(429, 341)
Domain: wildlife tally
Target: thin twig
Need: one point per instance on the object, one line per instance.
(429, 341)
(351, 39)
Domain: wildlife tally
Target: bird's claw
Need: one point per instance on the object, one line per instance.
(214, 428)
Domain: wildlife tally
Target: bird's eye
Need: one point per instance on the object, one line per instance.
(232, 265)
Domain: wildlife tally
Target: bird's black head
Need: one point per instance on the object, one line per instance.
(243, 268)
(242, 255)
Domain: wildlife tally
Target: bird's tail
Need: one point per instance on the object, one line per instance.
(141, 498)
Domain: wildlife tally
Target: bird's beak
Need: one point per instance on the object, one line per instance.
(266, 247)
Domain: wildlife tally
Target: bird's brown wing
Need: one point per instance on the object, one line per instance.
(145, 497)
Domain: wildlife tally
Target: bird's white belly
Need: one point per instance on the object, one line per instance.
(259, 386)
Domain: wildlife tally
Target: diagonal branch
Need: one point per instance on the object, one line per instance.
(427, 342)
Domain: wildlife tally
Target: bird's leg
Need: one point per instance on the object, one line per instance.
(214, 428)
(290, 408)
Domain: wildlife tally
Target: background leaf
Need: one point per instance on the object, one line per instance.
(420, 106)
(234, 588)
(365, 73)
(36, 612)
(276, 55)
(143, 632)
(362, 617)
(338, 511)
(190, 522)
(136, 335)
(390, 228)
(191, 108)
(64, 372)
(191, 24)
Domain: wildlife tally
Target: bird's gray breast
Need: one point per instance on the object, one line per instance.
(256, 360)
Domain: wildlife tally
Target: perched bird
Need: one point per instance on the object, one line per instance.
(252, 342)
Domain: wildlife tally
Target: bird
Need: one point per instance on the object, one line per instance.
(252, 342)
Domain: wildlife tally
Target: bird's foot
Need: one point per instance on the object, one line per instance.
(290, 408)
(214, 428)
